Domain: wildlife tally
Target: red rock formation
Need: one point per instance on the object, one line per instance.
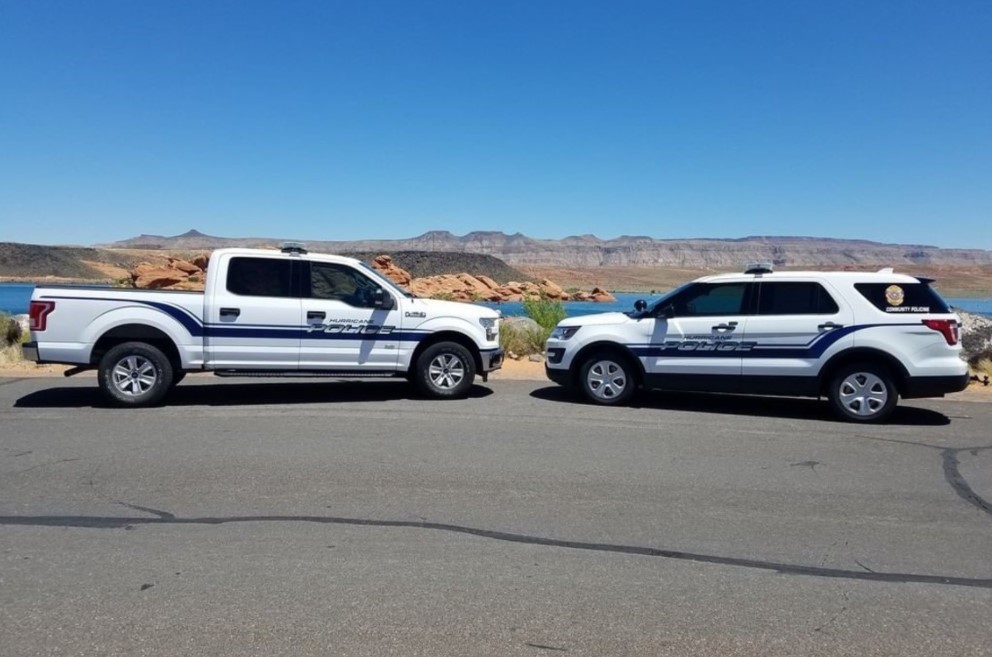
(182, 275)
(386, 266)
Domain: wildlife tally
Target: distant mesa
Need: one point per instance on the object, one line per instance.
(589, 251)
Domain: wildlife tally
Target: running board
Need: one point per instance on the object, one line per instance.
(307, 374)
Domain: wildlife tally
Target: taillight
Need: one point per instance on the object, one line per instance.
(946, 327)
(39, 312)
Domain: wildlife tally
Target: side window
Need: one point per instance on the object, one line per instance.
(902, 297)
(798, 298)
(341, 283)
(259, 277)
(706, 300)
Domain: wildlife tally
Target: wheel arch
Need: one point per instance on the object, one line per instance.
(447, 336)
(136, 333)
(605, 346)
(863, 355)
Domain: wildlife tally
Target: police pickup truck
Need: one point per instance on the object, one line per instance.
(281, 313)
(859, 339)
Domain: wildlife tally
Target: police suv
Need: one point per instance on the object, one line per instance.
(859, 339)
(284, 313)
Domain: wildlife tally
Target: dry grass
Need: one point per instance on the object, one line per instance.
(983, 367)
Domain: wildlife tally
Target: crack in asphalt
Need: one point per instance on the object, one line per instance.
(165, 518)
(952, 473)
(952, 470)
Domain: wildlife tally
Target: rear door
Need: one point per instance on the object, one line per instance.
(795, 324)
(253, 317)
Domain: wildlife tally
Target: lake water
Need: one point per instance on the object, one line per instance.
(14, 298)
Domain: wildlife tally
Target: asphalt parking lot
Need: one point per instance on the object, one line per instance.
(313, 518)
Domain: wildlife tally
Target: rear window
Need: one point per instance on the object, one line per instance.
(902, 297)
(259, 277)
(795, 298)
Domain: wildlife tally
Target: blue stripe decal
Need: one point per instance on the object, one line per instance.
(813, 349)
(197, 329)
(189, 321)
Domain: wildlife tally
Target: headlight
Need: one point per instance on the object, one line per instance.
(564, 332)
(491, 324)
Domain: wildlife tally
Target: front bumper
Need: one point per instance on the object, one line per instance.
(492, 359)
(30, 350)
(559, 376)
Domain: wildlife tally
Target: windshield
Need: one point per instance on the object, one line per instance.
(651, 310)
(386, 281)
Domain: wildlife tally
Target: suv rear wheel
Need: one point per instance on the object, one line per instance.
(863, 392)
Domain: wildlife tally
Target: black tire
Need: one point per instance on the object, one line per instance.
(445, 370)
(863, 392)
(135, 374)
(608, 378)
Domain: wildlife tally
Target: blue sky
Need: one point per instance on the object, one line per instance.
(351, 120)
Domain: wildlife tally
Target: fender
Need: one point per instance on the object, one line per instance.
(190, 347)
(450, 323)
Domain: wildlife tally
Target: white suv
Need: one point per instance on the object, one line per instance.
(860, 339)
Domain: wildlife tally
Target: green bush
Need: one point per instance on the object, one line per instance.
(521, 338)
(546, 312)
(10, 331)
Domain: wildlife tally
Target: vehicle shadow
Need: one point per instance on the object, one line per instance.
(245, 394)
(792, 408)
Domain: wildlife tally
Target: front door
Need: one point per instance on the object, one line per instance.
(344, 328)
(698, 334)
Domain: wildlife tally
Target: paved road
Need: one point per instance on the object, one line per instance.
(318, 519)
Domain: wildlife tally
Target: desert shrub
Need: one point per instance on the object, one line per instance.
(546, 312)
(521, 337)
(10, 331)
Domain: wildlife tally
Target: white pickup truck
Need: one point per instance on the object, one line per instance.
(281, 313)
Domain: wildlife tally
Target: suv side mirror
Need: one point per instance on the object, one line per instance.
(640, 305)
(383, 300)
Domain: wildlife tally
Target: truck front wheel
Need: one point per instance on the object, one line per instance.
(444, 370)
(135, 374)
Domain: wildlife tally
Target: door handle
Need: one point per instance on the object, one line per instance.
(230, 312)
(729, 326)
(829, 325)
(316, 314)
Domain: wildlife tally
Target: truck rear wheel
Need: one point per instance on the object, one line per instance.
(444, 370)
(134, 374)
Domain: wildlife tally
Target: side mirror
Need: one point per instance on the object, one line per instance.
(383, 300)
(640, 305)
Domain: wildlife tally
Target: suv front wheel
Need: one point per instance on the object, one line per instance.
(863, 392)
(607, 378)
